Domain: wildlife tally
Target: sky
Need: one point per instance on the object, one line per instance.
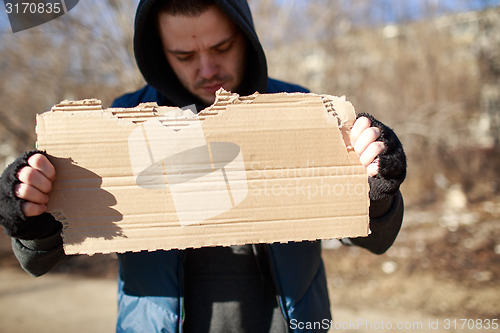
(397, 11)
(388, 11)
(447, 6)
(392, 11)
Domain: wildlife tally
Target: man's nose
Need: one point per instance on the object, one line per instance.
(208, 67)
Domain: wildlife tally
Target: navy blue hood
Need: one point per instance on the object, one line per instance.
(158, 73)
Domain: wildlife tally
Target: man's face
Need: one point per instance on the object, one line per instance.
(206, 52)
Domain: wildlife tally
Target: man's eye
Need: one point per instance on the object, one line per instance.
(224, 48)
(184, 58)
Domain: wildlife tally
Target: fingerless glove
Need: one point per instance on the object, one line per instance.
(11, 216)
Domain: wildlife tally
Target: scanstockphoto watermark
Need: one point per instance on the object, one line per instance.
(298, 187)
(29, 14)
(308, 182)
(428, 325)
(355, 325)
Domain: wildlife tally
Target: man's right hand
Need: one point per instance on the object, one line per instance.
(36, 183)
(24, 193)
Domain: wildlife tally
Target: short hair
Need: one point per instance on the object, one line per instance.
(184, 7)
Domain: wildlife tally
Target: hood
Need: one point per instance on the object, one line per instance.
(158, 73)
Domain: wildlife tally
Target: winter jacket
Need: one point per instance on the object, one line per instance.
(150, 288)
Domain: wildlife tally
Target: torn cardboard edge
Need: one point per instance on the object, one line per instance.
(263, 168)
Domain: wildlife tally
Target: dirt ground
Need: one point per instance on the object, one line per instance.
(444, 268)
(441, 275)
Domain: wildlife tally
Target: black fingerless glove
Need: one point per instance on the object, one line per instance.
(392, 163)
(11, 216)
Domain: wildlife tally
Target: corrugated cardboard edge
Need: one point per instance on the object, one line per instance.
(336, 107)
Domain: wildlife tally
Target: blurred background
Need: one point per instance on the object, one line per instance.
(430, 69)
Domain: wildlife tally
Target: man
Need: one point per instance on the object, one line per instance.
(187, 50)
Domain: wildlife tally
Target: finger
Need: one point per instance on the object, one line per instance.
(371, 153)
(41, 163)
(29, 193)
(372, 169)
(367, 137)
(35, 178)
(32, 209)
(359, 126)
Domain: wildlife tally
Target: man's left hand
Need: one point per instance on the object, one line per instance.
(364, 140)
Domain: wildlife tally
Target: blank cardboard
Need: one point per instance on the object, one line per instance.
(256, 169)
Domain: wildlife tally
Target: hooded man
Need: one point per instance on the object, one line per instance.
(187, 50)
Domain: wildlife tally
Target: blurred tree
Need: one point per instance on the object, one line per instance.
(85, 53)
(427, 78)
(424, 75)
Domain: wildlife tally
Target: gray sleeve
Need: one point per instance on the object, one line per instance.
(38, 256)
(386, 217)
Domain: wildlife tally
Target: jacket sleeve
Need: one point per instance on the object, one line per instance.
(386, 217)
(39, 256)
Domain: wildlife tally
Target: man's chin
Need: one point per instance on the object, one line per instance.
(207, 98)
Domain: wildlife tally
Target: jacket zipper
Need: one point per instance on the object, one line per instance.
(279, 298)
(182, 315)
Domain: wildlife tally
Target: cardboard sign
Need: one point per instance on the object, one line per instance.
(257, 169)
